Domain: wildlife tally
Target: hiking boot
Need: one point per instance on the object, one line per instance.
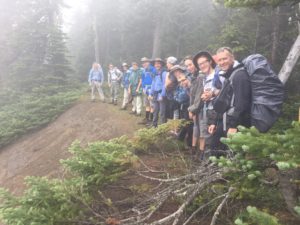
(115, 103)
(92, 100)
(133, 112)
(123, 108)
(138, 114)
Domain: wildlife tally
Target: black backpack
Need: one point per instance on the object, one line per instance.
(267, 93)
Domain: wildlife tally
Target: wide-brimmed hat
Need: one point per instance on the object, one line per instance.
(158, 60)
(145, 59)
(177, 67)
(124, 64)
(206, 55)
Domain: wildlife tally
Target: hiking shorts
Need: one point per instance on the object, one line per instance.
(147, 102)
(203, 125)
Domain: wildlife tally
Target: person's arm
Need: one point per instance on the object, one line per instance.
(164, 80)
(242, 98)
(168, 81)
(196, 104)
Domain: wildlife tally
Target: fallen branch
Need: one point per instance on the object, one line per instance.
(217, 212)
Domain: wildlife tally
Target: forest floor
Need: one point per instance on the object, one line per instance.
(38, 153)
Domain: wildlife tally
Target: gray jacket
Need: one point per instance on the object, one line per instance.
(196, 91)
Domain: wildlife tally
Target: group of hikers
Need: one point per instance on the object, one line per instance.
(192, 89)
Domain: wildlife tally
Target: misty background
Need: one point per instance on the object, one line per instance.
(50, 41)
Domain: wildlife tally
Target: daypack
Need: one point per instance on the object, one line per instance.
(266, 89)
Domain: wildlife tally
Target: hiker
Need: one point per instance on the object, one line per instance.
(158, 93)
(125, 85)
(205, 116)
(135, 89)
(148, 74)
(95, 80)
(194, 82)
(182, 98)
(171, 84)
(114, 78)
(239, 111)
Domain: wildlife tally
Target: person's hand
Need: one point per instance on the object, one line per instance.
(212, 129)
(231, 131)
(207, 95)
(150, 97)
(129, 91)
(109, 85)
(191, 115)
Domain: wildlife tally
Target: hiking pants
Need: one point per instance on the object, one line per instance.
(97, 85)
(137, 104)
(159, 111)
(114, 90)
(125, 98)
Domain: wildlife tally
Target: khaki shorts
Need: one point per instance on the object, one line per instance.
(203, 125)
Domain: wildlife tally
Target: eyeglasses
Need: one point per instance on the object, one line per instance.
(202, 63)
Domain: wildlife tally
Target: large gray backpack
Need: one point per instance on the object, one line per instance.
(267, 92)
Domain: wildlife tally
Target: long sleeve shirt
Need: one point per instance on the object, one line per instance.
(96, 75)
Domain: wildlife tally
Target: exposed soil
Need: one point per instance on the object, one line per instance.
(38, 153)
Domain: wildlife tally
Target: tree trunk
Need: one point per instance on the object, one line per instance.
(275, 36)
(96, 40)
(156, 51)
(291, 59)
(257, 32)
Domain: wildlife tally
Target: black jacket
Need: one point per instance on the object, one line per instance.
(239, 114)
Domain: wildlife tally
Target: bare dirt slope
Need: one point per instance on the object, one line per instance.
(38, 153)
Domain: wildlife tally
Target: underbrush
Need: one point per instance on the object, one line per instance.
(23, 112)
(162, 184)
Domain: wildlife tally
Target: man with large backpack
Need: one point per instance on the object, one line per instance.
(252, 94)
(239, 111)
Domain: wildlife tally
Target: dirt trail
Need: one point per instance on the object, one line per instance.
(38, 153)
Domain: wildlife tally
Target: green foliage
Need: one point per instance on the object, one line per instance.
(255, 155)
(290, 113)
(155, 138)
(255, 151)
(55, 202)
(100, 162)
(45, 202)
(256, 217)
(22, 112)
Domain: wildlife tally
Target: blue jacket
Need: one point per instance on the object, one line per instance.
(158, 85)
(147, 77)
(96, 75)
(181, 95)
